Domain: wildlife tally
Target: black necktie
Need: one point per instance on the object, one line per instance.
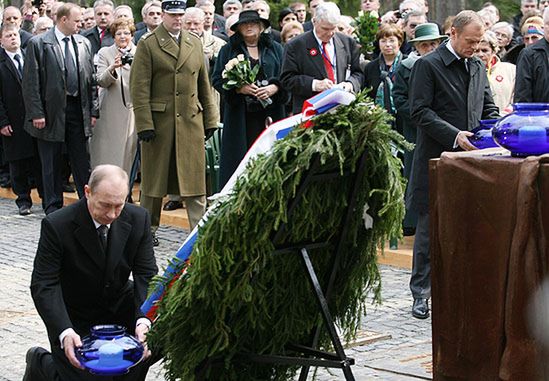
(70, 70)
(465, 64)
(103, 232)
(19, 65)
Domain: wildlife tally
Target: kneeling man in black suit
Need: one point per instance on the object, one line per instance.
(81, 275)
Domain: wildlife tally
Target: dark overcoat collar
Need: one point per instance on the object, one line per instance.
(86, 234)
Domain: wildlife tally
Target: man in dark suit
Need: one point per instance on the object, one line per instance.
(12, 15)
(60, 102)
(532, 82)
(100, 35)
(320, 59)
(80, 279)
(449, 94)
(19, 146)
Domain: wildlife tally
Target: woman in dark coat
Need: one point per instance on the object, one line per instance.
(244, 116)
(380, 74)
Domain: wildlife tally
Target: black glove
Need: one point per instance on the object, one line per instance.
(146, 136)
(210, 132)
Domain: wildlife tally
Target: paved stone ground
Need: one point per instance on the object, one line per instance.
(404, 354)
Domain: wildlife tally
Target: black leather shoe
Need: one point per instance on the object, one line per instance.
(420, 309)
(173, 205)
(24, 210)
(33, 360)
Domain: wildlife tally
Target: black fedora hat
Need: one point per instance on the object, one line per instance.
(250, 16)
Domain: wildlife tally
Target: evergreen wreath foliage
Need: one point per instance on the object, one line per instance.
(237, 297)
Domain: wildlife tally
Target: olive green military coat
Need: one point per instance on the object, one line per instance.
(172, 95)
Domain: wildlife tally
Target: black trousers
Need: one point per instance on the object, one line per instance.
(20, 172)
(51, 157)
(420, 281)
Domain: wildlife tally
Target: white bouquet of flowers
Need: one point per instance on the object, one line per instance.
(238, 72)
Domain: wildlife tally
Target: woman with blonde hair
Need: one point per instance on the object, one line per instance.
(501, 75)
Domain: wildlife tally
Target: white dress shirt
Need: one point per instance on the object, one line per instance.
(60, 36)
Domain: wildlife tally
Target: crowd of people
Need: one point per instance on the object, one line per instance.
(86, 87)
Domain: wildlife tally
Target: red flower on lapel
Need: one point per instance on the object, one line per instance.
(313, 52)
(499, 78)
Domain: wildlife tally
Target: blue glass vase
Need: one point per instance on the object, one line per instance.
(524, 131)
(109, 351)
(482, 137)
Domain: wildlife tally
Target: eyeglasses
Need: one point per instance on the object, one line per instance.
(412, 26)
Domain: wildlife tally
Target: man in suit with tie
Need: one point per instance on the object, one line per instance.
(320, 59)
(60, 102)
(19, 146)
(449, 95)
(100, 35)
(80, 279)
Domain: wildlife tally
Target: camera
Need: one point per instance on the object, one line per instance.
(37, 3)
(127, 58)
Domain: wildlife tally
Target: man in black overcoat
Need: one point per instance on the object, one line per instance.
(19, 147)
(81, 272)
(320, 59)
(449, 95)
(532, 81)
(60, 102)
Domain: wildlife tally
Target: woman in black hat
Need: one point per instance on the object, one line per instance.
(243, 115)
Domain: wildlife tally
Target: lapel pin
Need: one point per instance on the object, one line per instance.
(313, 52)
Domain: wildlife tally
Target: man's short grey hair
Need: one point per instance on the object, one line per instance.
(204, 3)
(466, 17)
(419, 3)
(107, 171)
(231, 2)
(415, 13)
(124, 6)
(508, 28)
(148, 5)
(264, 2)
(522, 2)
(194, 12)
(101, 3)
(43, 21)
(328, 12)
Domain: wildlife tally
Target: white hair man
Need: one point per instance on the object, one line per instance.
(213, 22)
(152, 17)
(193, 21)
(532, 81)
(100, 36)
(321, 59)
(12, 15)
(230, 7)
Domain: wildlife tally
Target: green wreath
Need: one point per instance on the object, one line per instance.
(237, 297)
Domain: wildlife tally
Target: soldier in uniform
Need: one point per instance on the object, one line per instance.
(174, 107)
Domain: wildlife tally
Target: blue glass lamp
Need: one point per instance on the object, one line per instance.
(524, 132)
(482, 137)
(109, 351)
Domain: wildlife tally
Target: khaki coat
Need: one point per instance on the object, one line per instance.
(172, 96)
